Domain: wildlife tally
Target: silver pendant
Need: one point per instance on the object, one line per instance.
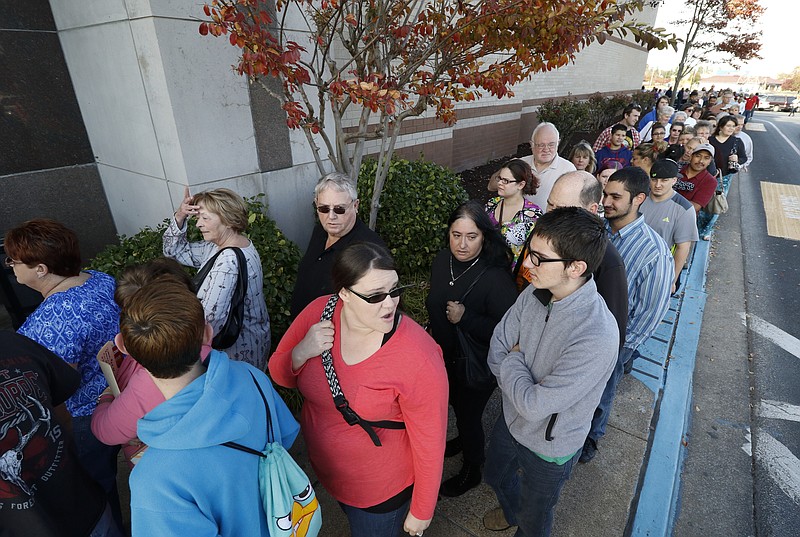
(452, 283)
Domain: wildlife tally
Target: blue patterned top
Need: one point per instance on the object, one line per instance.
(75, 324)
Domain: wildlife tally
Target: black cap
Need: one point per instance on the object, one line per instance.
(664, 169)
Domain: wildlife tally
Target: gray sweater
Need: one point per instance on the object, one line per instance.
(552, 386)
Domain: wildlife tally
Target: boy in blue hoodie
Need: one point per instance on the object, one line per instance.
(615, 151)
(187, 482)
(552, 354)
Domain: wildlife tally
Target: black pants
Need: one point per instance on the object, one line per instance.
(469, 405)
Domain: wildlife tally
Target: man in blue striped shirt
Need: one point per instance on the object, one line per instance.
(648, 267)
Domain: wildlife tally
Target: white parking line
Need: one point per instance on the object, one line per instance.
(788, 141)
(786, 341)
(780, 463)
(778, 410)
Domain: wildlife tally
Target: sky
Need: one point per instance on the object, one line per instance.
(779, 29)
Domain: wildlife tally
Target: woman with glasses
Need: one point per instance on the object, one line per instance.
(511, 211)
(385, 469)
(77, 317)
(471, 289)
(336, 206)
(221, 217)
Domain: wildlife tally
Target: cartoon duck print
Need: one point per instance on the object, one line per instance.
(305, 518)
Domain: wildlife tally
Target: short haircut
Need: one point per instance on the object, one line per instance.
(134, 278)
(352, 263)
(677, 124)
(544, 125)
(227, 204)
(162, 327)
(633, 179)
(521, 171)
(702, 124)
(336, 181)
(688, 129)
(574, 233)
(495, 250)
(681, 115)
(630, 108)
(592, 191)
(47, 242)
(619, 127)
(666, 110)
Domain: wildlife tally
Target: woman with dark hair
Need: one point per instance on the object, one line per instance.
(386, 471)
(77, 317)
(512, 212)
(729, 151)
(471, 289)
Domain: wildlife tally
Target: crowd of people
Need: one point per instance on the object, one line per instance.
(546, 292)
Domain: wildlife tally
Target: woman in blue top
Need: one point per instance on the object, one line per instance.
(77, 317)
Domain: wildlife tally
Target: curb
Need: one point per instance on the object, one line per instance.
(658, 496)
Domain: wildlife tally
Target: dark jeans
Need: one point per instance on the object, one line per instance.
(603, 410)
(526, 485)
(468, 405)
(99, 461)
(366, 524)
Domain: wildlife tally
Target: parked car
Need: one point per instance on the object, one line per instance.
(776, 103)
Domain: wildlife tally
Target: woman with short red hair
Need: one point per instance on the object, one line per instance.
(77, 317)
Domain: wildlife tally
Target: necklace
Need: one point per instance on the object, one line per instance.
(56, 286)
(454, 278)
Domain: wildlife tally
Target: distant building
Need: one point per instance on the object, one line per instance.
(741, 83)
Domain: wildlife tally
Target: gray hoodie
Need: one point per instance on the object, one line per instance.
(552, 386)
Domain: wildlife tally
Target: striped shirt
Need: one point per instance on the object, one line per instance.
(650, 271)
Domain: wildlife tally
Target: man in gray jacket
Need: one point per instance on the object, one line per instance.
(552, 354)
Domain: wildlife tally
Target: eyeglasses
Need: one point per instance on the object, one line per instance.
(8, 262)
(377, 298)
(503, 181)
(537, 259)
(551, 145)
(338, 209)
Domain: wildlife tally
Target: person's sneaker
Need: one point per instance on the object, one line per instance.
(453, 447)
(495, 520)
(469, 477)
(589, 450)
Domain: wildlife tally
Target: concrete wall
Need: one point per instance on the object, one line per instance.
(163, 110)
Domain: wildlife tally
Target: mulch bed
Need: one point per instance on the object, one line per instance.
(474, 180)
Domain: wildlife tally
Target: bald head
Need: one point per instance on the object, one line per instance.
(576, 189)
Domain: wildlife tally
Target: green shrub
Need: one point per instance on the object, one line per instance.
(416, 202)
(279, 260)
(592, 115)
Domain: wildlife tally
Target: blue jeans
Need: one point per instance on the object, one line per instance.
(99, 461)
(366, 524)
(526, 485)
(603, 411)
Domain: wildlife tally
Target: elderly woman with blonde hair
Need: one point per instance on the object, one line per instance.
(222, 219)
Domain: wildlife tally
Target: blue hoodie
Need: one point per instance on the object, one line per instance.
(189, 484)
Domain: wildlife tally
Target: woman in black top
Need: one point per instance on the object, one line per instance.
(729, 151)
(478, 255)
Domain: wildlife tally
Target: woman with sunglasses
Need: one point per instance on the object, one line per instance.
(471, 289)
(512, 212)
(385, 477)
(221, 217)
(336, 206)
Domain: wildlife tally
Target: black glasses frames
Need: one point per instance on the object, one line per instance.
(377, 298)
(338, 209)
(537, 260)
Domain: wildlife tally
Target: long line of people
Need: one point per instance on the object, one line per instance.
(551, 298)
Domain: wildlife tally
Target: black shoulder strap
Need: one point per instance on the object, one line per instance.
(339, 400)
(474, 282)
(203, 272)
(270, 434)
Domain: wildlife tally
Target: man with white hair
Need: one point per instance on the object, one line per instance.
(545, 162)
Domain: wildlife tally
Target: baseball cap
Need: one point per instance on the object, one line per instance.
(664, 169)
(704, 147)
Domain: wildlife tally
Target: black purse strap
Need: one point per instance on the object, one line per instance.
(239, 293)
(474, 282)
(270, 433)
(339, 400)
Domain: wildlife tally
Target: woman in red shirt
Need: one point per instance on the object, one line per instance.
(390, 370)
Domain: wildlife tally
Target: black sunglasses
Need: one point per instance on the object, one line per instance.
(377, 298)
(338, 209)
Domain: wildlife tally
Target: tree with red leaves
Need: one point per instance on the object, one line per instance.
(369, 65)
(724, 27)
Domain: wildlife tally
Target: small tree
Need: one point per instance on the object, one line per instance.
(791, 81)
(721, 26)
(395, 59)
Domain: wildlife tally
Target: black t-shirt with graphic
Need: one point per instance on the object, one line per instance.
(43, 489)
